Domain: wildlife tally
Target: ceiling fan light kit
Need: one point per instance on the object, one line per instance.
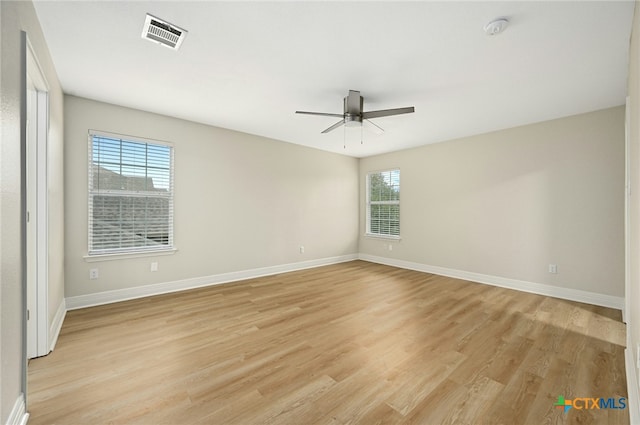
(353, 115)
(352, 120)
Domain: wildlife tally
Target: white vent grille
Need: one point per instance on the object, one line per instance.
(162, 32)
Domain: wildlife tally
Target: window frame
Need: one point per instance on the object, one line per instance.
(369, 203)
(135, 251)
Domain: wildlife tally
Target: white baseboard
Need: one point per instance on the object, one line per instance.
(18, 415)
(519, 285)
(82, 301)
(632, 387)
(624, 313)
(107, 297)
(56, 325)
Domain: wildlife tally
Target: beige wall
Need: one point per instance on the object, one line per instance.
(504, 204)
(633, 316)
(241, 201)
(16, 17)
(511, 202)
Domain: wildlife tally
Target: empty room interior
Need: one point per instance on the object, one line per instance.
(319, 212)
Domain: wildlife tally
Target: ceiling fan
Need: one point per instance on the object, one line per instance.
(353, 114)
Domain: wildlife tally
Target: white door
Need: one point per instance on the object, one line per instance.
(32, 258)
(627, 217)
(37, 210)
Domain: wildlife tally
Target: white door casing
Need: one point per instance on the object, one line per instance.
(37, 209)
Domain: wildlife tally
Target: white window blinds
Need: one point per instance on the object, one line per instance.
(383, 203)
(130, 195)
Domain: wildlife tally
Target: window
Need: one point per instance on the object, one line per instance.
(383, 203)
(130, 195)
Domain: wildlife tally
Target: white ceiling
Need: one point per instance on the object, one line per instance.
(250, 66)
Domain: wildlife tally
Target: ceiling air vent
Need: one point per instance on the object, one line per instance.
(162, 32)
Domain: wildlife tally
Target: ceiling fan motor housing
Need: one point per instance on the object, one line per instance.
(353, 105)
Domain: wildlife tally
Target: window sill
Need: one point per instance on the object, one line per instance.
(388, 237)
(127, 255)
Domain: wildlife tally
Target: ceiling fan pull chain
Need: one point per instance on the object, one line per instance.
(344, 137)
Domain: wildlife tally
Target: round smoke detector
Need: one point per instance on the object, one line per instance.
(496, 26)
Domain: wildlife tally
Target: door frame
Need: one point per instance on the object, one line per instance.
(627, 213)
(37, 209)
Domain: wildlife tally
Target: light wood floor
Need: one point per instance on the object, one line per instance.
(349, 343)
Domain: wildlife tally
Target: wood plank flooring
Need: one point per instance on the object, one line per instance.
(349, 343)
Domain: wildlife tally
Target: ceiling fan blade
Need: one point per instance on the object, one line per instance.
(387, 112)
(374, 127)
(336, 125)
(324, 114)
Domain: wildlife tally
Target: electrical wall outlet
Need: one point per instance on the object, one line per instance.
(553, 268)
(301, 249)
(93, 274)
(154, 266)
